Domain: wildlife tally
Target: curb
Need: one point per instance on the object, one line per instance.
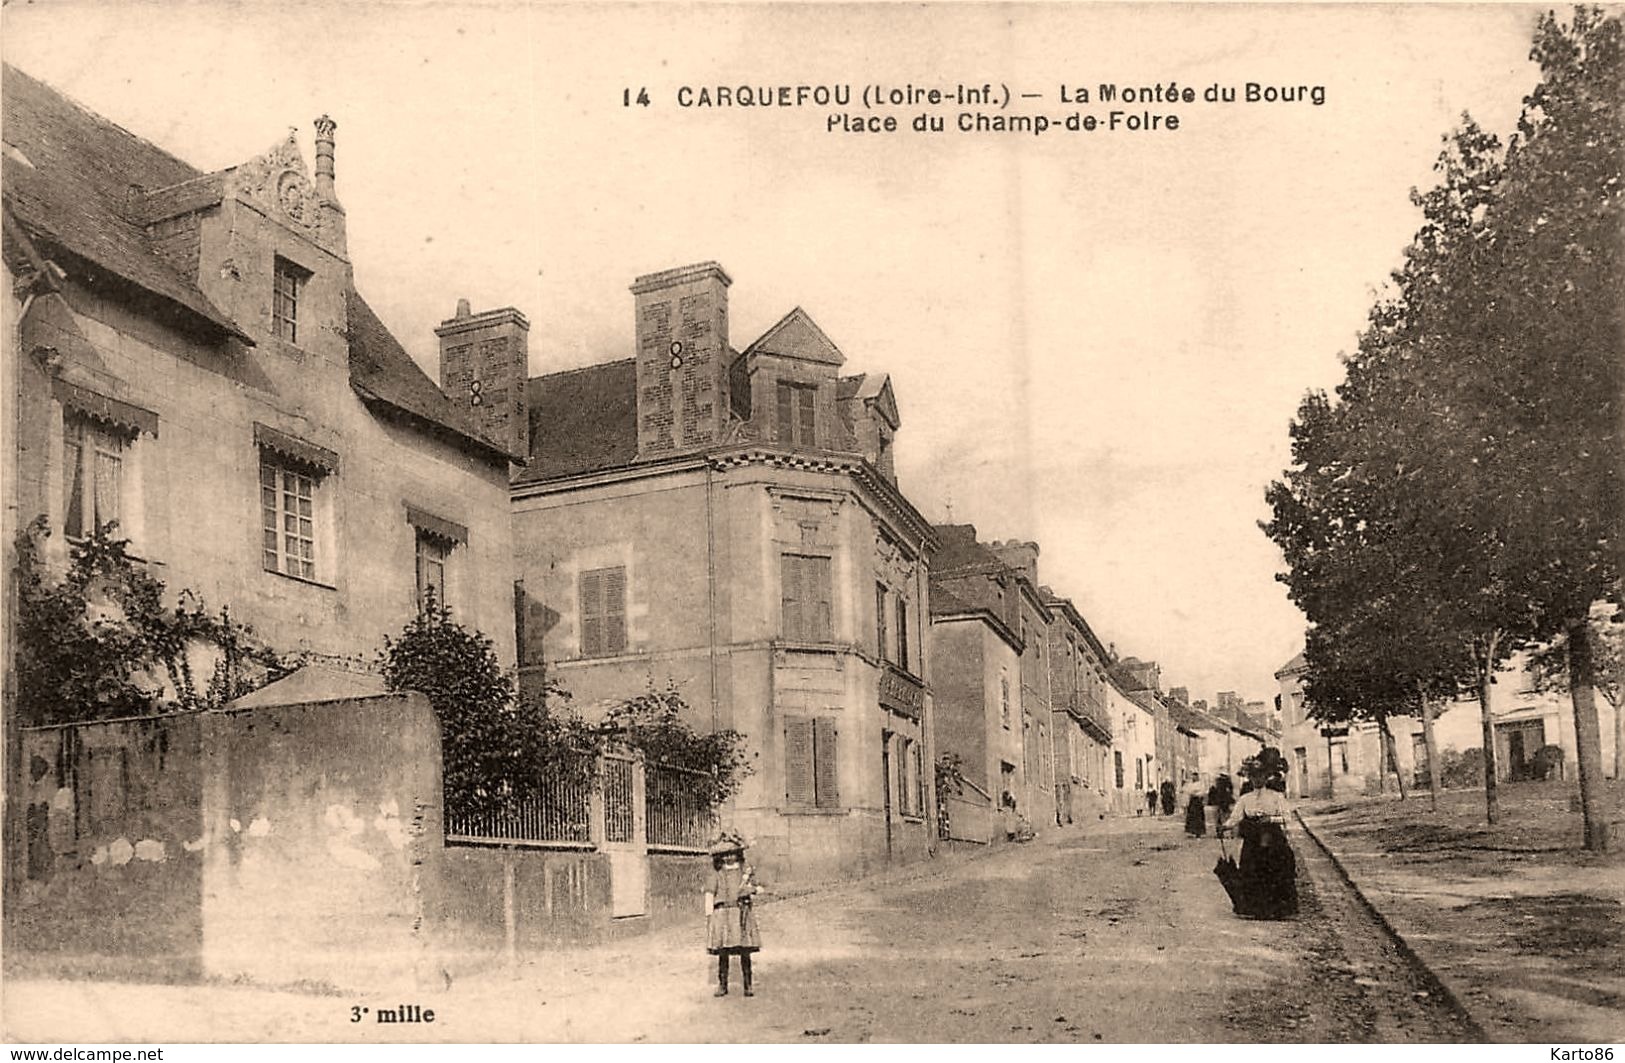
(1452, 997)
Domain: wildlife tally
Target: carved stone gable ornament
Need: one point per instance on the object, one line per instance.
(279, 184)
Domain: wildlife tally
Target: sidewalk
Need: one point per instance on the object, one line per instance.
(1524, 928)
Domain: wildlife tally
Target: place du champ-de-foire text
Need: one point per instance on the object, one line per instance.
(988, 108)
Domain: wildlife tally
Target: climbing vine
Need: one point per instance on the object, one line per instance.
(98, 642)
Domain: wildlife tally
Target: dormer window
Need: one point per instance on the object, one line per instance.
(287, 286)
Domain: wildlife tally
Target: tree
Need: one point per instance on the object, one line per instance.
(1549, 670)
(496, 752)
(1479, 421)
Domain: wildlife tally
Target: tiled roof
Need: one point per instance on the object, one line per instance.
(68, 174)
(583, 420)
(382, 371)
(945, 602)
(960, 550)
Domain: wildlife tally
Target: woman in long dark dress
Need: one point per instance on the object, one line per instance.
(1168, 796)
(1195, 811)
(1266, 884)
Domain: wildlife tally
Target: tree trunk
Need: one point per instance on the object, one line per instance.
(1331, 776)
(1619, 738)
(1587, 738)
(1390, 753)
(1431, 742)
(1486, 664)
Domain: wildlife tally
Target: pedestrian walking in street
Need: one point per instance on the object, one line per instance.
(730, 914)
(1167, 797)
(1195, 810)
(1221, 798)
(1265, 885)
(1151, 802)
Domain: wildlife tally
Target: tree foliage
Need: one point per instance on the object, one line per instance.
(1461, 496)
(98, 642)
(652, 724)
(496, 751)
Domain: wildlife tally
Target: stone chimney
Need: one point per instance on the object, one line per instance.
(683, 358)
(1019, 555)
(324, 159)
(484, 368)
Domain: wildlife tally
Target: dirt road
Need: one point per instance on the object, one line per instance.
(1112, 932)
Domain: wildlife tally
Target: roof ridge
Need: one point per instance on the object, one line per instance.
(581, 369)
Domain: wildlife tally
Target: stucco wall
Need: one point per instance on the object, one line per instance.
(316, 860)
(254, 843)
(191, 507)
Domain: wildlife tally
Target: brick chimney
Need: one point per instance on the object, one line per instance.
(484, 367)
(682, 356)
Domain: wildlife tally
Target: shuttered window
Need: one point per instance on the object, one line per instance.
(902, 633)
(811, 769)
(919, 779)
(806, 598)
(603, 611)
(881, 649)
(797, 419)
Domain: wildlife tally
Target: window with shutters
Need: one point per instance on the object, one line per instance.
(811, 769)
(806, 598)
(603, 611)
(882, 649)
(797, 414)
(1117, 765)
(902, 633)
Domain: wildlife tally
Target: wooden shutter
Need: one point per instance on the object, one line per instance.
(798, 760)
(817, 590)
(902, 633)
(790, 578)
(592, 613)
(614, 587)
(807, 436)
(825, 763)
(785, 429)
(880, 622)
(919, 780)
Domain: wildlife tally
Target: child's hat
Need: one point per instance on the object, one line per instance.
(727, 842)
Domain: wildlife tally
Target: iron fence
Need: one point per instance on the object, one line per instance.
(560, 813)
(676, 815)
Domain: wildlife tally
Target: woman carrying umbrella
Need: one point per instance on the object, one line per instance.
(1265, 885)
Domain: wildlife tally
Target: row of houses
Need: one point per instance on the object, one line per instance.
(189, 354)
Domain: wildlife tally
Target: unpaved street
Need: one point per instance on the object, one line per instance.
(1114, 931)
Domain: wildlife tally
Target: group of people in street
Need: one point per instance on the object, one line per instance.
(1262, 885)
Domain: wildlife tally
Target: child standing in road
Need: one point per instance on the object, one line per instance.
(730, 914)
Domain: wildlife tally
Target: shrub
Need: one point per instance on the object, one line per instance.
(495, 750)
(653, 724)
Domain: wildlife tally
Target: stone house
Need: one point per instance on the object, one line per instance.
(977, 651)
(729, 523)
(191, 358)
(1082, 729)
(1134, 732)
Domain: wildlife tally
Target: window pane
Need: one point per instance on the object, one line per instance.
(804, 398)
(73, 478)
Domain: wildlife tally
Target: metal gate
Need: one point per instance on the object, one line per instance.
(624, 837)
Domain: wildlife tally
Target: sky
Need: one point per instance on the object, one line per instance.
(1097, 339)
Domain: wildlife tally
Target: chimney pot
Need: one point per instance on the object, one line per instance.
(324, 156)
(463, 309)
